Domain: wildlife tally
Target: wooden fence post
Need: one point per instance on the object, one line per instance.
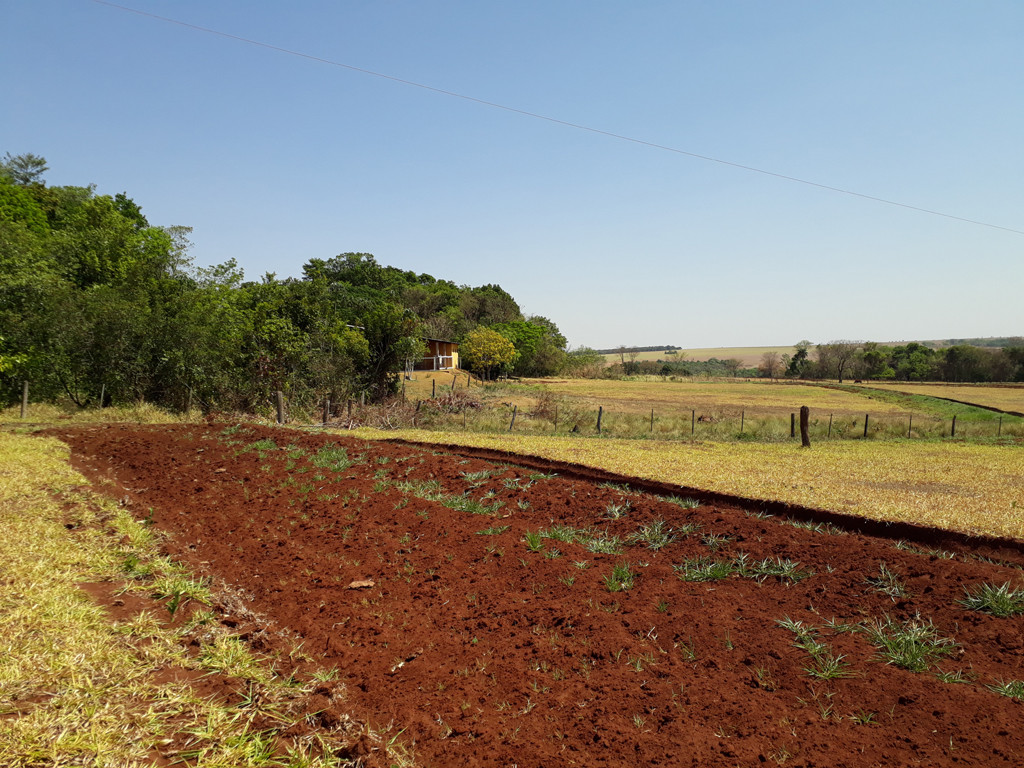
(652, 421)
(693, 421)
(1000, 432)
(350, 408)
(792, 425)
(515, 409)
(865, 425)
(743, 417)
(103, 393)
(910, 425)
(24, 399)
(830, 426)
(556, 418)
(433, 388)
(952, 432)
(805, 427)
(280, 407)
(327, 410)
(600, 412)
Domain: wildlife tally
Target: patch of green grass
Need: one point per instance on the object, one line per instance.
(332, 457)
(1001, 601)
(563, 533)
(467, 503)
(684, 502)
(617, 511)
(888, 583)
(477, 478)
(1014, 689)
(654, 535)
(603, 544)
(914, 645)
(266, 444)
(493, 530)
(621, 578)
(534, 541)
(704, 569)
(780, 568)
(715, 541)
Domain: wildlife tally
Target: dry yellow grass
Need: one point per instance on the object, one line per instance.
(713, 398)
(1005, 398)
(969, 488)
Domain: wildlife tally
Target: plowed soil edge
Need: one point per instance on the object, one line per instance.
(490, 654)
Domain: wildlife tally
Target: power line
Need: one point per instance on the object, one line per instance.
(555, 120)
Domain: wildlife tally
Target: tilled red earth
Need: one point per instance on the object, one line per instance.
(490, 654)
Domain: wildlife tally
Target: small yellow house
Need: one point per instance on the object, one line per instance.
(440, 356)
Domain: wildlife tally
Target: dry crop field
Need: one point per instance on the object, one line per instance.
(714, 398)
(748, 356)
(479, 612)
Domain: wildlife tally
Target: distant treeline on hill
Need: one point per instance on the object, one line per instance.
(996, 341)
(617, 350)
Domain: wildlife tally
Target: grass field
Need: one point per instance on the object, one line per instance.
(967, 488)
(1007, 397)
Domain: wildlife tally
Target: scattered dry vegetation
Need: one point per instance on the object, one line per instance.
(956, 486)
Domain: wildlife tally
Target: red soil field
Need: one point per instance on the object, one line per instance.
(489, 654)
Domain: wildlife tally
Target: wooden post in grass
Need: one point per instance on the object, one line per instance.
(952, 432)
(103, 392)
(327, 410)
(805, 427)
(556, 418)
(512, 423)
(910, 425)
(403, 390)
(280, 407)
(693, 421)
(455, 380)
(865, 425)
(24, 399)
(1000, 432)
(743, 417)
(362, 399)
(652, 421)
(350, 408)
(792, 425)
(433, 388)
(600, 413)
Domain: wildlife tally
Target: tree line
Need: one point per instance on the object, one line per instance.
(871, 361)
(96, 299)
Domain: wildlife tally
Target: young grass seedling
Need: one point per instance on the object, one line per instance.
(999, 601)
(914, 645)
(621, 578)
(654, 535)
(888, 583)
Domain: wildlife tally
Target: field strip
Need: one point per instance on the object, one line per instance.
(1004, 399)
(976, 489)
(78, 687)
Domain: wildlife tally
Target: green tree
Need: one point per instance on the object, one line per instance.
(485, 352)
(23, 170)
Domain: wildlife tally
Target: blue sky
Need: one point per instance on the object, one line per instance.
(275, 159)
